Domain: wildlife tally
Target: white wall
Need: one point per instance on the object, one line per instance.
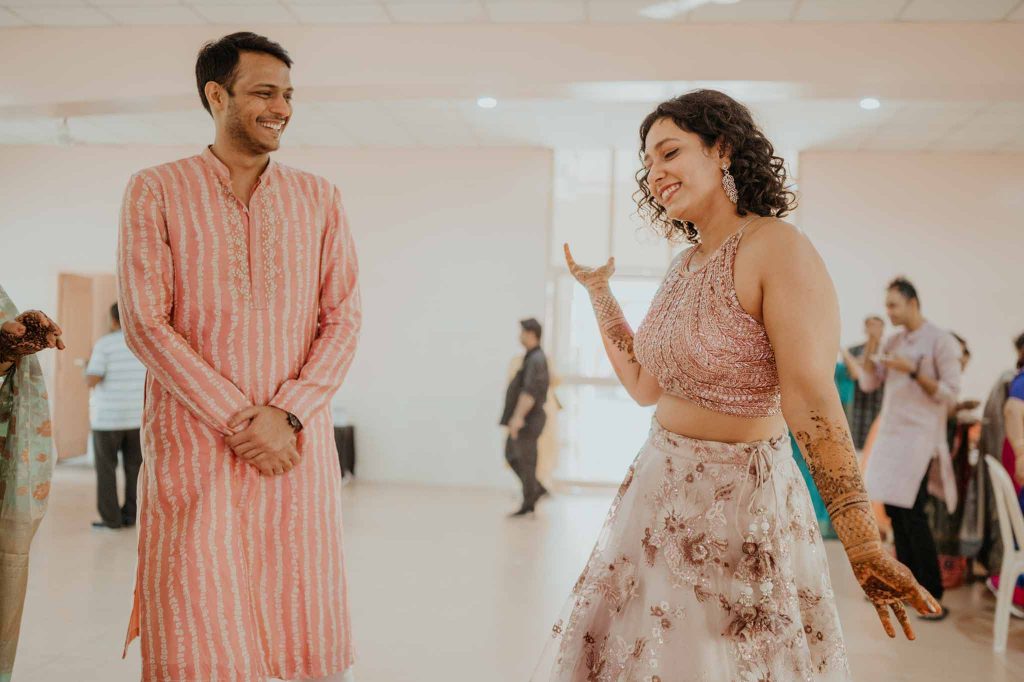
(452, 244)
(953, 223)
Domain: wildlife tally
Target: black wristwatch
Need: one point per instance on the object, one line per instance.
(294, 422)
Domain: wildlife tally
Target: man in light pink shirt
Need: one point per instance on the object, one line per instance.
(920, 368)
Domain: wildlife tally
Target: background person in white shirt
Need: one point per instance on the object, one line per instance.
(118, 381)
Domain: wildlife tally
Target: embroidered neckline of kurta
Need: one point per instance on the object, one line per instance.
(253, 268)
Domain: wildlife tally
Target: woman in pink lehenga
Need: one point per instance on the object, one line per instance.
(710, 565)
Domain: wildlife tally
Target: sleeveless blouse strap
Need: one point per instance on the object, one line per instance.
(732, 247)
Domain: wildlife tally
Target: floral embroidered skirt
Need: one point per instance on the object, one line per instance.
(710, 567)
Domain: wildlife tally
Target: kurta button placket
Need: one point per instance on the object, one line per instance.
(257, 281)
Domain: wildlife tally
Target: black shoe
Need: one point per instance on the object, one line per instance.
(523, 511)
(102, 524)
(127, 523)
(543, 493)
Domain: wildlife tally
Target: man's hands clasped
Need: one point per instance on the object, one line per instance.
(268, 443)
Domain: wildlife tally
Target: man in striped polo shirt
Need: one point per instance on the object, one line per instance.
(118, 381)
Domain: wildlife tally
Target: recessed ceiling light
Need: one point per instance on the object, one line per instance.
(487, 102)
(870, 103)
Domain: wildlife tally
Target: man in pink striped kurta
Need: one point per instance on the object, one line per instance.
(238, 292)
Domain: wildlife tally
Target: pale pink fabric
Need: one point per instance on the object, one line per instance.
(701, 345)
(240, 577)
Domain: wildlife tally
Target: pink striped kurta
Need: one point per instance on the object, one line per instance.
(240, 577)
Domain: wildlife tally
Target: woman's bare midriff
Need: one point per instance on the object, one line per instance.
(681, 416)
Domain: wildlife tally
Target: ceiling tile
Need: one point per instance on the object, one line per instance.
(255, 15)
(989, 129)
(1015, 145)
(184, 127)
(848, 11)
(28, 131)
(928, 119)
(957, 10)
(205, 3)
(117, 3)
(620, 11)
(897, 144)
(8, 19)
(367, 123)
(966, 144)
(154, 16)
(328, 3)
(45, 3)
(436, 12)
(63, 16)
(434, 123)
(361, 13)
(548, 11)
(1007, 109)
(315, 126)
(744, 12)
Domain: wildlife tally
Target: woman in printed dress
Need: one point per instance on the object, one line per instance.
(26, 458)
(710, 565)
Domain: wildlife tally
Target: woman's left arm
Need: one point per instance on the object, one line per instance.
(801, 315)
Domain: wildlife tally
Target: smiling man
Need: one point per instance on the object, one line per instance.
(238, 293)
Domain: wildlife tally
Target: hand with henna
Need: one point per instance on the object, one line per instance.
(886, 582)
(591, 278)
(27, 334)
(610, 317)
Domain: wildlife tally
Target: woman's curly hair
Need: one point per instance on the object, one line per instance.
(717, 118)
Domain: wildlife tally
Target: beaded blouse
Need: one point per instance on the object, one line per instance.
(700, 344)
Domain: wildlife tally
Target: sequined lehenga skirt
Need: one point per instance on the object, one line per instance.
(710, 567)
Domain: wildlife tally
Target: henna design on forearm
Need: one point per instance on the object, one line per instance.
(612, 322)
(833, 464)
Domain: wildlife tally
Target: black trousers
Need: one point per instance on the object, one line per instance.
(521, 454)
(106, 445)
(915, 546)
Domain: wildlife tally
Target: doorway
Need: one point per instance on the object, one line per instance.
(83, 308)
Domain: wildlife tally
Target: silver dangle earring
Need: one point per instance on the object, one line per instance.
(729, 183)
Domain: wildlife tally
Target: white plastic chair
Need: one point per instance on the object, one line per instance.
(1011, 528)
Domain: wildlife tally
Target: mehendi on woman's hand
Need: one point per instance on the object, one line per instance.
(612, 321)
(27, 334)
(610, 317)
(886, 582)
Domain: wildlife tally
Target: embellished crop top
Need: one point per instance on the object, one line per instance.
(700, 344)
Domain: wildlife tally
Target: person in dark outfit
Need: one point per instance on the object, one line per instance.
(524, 415)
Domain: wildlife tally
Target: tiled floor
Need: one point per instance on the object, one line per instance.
(444, 589)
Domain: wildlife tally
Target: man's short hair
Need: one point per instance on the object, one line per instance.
(903, 285)
(531, 325)
(218, 60)
(874, 318)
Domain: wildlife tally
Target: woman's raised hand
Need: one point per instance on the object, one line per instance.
(591, 278)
